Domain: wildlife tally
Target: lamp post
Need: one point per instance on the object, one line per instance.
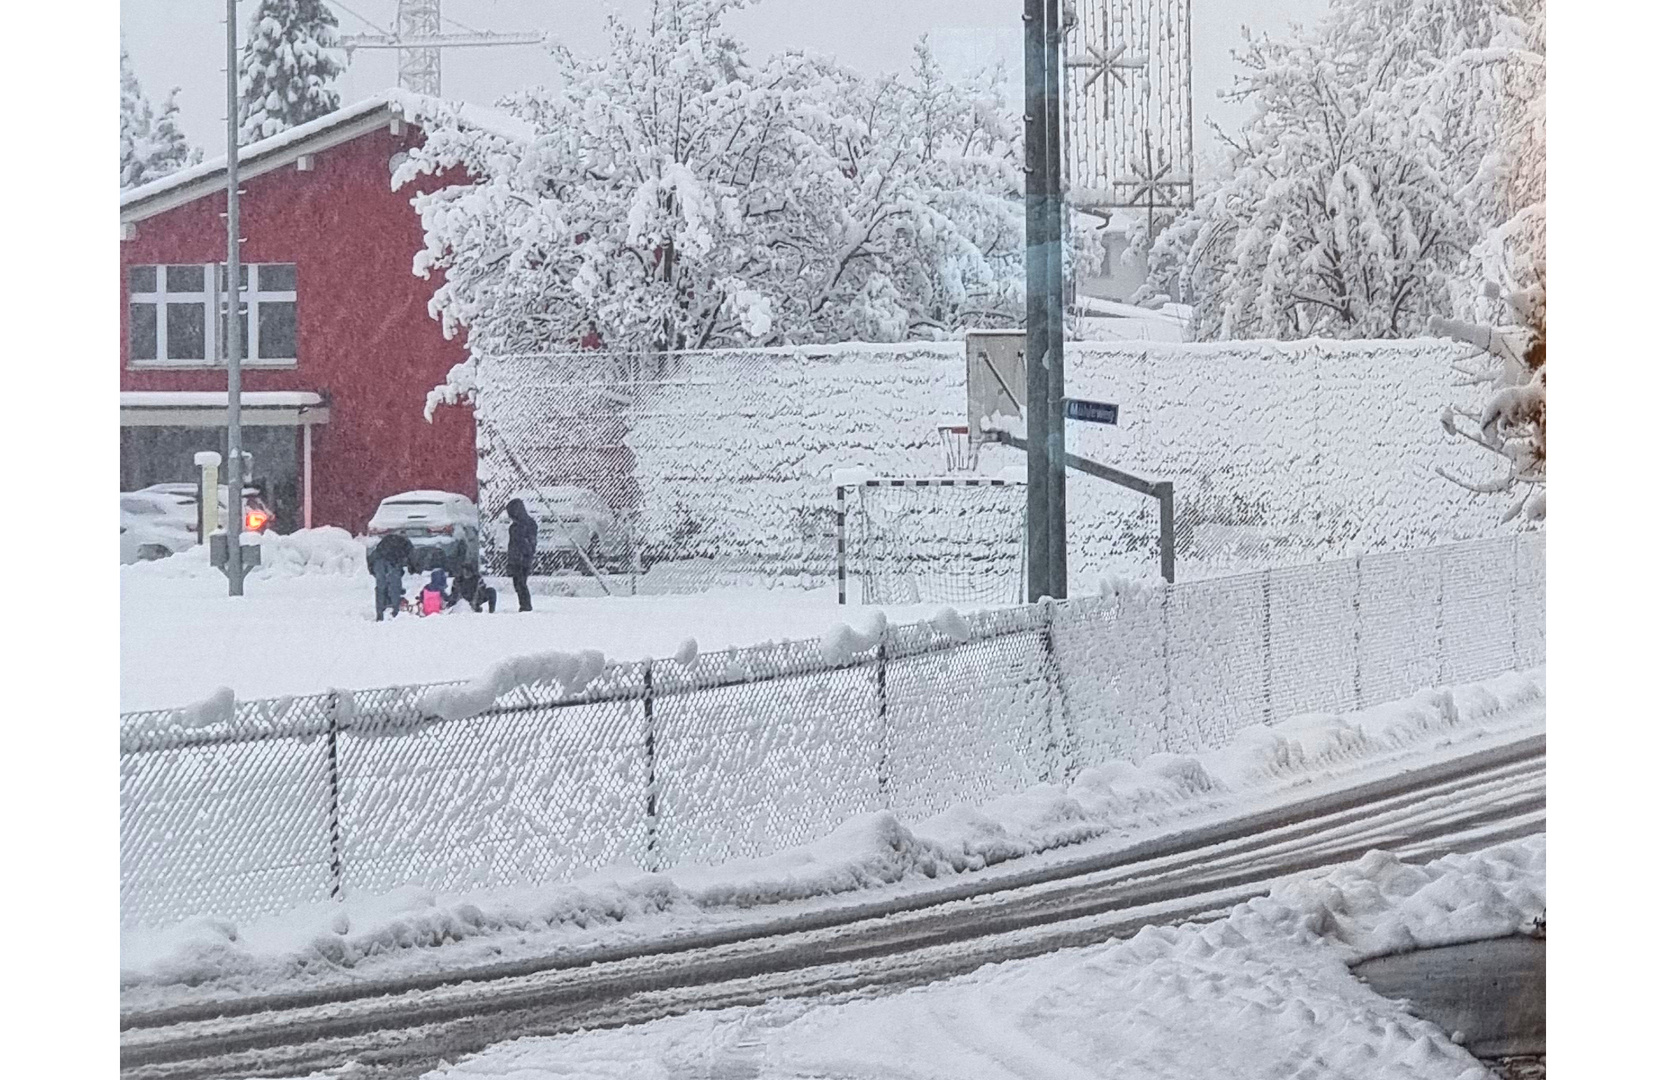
(233, 336)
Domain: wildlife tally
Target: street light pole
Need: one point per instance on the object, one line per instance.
(233, 338)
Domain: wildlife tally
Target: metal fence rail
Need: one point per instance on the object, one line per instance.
(659, 764)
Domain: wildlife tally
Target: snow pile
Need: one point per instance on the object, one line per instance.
(326, 550)
(843, 643)
(572, 672)
(1380, 906)
(952, 624)
(868, 850)
(1265, 992)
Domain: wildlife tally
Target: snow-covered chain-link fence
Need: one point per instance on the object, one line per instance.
(239, 810)
(720, 464)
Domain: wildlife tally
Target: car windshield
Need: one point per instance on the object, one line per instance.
(140, 506)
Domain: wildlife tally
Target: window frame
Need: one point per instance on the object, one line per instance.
(213, 301)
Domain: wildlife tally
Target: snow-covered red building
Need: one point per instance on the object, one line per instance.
(340, 350)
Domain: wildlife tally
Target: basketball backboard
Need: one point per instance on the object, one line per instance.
(995, 380)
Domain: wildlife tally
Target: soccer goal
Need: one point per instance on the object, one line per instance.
(911, 540)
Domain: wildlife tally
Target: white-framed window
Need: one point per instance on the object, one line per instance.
(176, 314)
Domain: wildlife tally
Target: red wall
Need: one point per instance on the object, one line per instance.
(366, 341)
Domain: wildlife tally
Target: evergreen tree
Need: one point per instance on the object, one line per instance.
(169, 150)
(151, 146)
(136, 124)
(288, 63)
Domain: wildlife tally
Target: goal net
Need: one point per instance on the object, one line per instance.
(951, 540)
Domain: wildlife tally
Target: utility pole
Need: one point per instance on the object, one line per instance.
(233, 336)
(1044, 308)
(1058, 586)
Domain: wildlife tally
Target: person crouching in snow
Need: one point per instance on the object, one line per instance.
(388, 561)
(467, 586)
(432, 597)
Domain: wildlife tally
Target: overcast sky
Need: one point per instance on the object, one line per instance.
(181, 42)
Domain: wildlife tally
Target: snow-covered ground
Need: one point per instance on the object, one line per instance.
(307, 625)
(1111, 805)
(1264, 993)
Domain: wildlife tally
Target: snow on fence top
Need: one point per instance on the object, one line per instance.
(1280, 452)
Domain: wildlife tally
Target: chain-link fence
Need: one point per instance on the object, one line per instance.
(663, 763)
(716, 468)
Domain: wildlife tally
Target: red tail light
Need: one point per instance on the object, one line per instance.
(446, 529)
(254, 521)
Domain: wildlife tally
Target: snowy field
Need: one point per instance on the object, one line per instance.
(307, 625)
(1264, 993)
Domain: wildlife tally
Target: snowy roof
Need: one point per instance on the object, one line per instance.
(346, 123)
(216, 399)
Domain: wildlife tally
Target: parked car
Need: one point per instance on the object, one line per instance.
(257, 516)
(443, 527)
(154, 526)
(569, 515)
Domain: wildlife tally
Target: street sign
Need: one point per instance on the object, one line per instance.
(1094, 412)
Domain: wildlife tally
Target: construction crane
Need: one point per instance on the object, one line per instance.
(419, 38)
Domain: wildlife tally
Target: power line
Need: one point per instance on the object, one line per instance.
(361, 18)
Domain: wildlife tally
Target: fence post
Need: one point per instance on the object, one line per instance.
(333, 766)
(839, 534)
(1515, 603)
(1440, 617)
(1061, 746)
(884, 722)
(1168, 674)
(648, 745)
(1165, 527)
(1267, 645)
(1359, 632)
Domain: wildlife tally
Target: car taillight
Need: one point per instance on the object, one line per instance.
(446, 529)
(254, 521)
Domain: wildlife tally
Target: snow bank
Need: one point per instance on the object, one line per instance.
(872, 850)
(571, 671)
(325, 550)
(1265, 992)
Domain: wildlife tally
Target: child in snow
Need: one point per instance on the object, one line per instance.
(388, 561)
(432, 597)
(467, 586)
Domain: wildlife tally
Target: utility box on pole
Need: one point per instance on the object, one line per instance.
(208, 494)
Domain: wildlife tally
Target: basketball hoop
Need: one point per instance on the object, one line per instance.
(960, 453)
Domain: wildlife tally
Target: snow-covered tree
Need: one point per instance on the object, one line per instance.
(1356, 197)
(287, 66)
(152, 146)
(136, 123)
(681, 196)
(1509, 334)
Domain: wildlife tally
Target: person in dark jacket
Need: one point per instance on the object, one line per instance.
(467, 586)
(388, 561)
(523, 545)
